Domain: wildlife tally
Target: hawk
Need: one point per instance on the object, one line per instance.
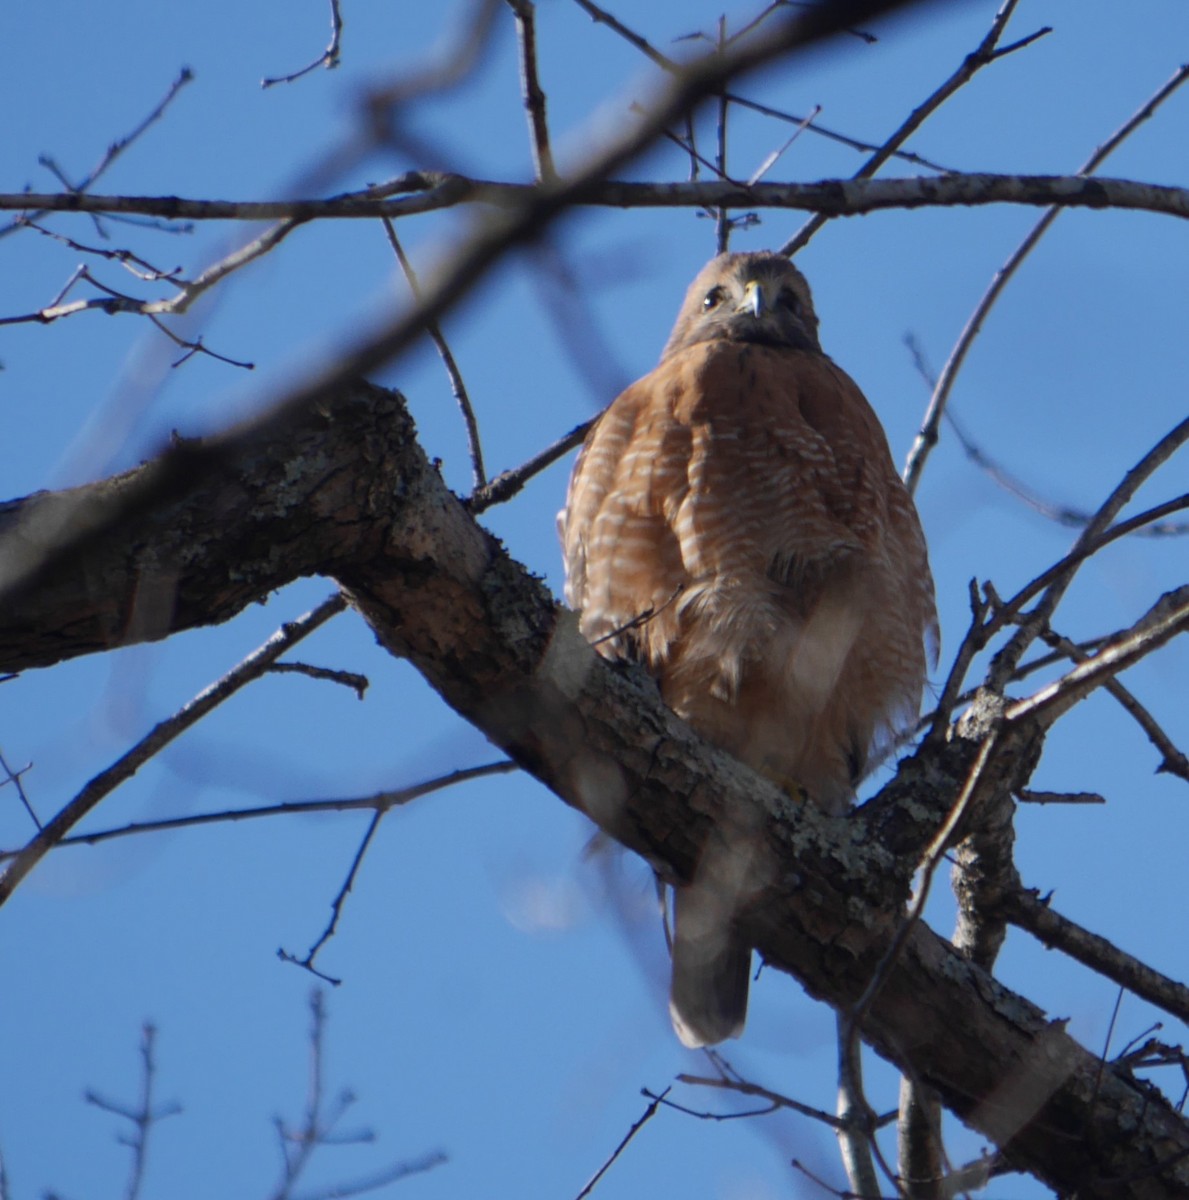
(735, 523)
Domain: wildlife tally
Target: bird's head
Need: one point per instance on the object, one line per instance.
(753, 297)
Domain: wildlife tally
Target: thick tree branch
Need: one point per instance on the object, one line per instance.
(829, 892)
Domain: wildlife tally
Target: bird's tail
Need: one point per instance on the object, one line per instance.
(711, 968)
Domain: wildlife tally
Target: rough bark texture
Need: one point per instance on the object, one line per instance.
(355, 497)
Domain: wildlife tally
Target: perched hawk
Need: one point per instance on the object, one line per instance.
(735, 523)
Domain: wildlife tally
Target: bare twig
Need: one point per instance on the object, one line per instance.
(1174, 761)
(380, 802)
(1053, 583)
(329, 58)
(1062, 514)
(722, 223)
(930, 861)
(984, 54)
(142, 1117)
(775, 1099)
(350, 679)
(318, 1129)
(649, 1113)
(534, 95)
(336, 907)
(218, 271)
(113, 302)
(991, 614)
(929, 433)
(1028, 796)
(457, 384)
(507, 483)
(252, 667)
(132, 263)
(772, 159)
(1150, 524)
(14, 777)
(1167, 618)
(113, 151)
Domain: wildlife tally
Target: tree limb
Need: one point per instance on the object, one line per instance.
(829, 891)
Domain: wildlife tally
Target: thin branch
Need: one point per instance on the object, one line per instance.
(1063, 514)
(1167, 618)
(601, 17)
(982, 56)
(1147, 521)
(649, 1113)
(775, 1099)
(832, 197)
(329, 58)
(929, 433)
(113, 302)
(217, 272)
(1028, 796)
(772, 159)
(349, 679)
(457, 384)
(381, 1179)
(147, 273)
(534, 95)
(318, 1129)
(1026, 910)
(1173, 761)
(990, 614)
(507, 483)
(14, 777)
(722, 223)
(336, 907)
(1053, 583)
(114, 150)
(103, 784)
(142, 1117)
(856, 1120)
(381, 802)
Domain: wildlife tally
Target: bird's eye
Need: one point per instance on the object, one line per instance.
(713, 299)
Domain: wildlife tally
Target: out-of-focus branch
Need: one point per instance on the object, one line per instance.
(319, 1127)
(929, 433)
(143, 1117)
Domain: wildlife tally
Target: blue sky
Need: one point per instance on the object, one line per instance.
(503, 994)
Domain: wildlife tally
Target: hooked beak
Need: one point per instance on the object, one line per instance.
(754, 300)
